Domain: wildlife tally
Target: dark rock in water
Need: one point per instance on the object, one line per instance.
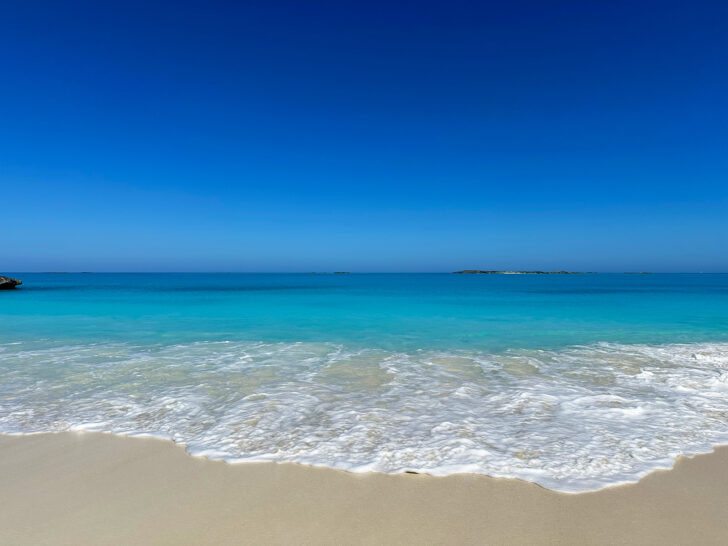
(6, 283)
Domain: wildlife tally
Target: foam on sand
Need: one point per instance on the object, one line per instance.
(573, 419)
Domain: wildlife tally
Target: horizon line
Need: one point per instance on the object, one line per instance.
(350, 272)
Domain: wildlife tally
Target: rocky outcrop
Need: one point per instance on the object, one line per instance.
(6, 283)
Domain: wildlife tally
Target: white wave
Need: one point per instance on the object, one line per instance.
(573, 419)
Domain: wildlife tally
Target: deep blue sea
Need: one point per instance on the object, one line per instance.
(575, 382)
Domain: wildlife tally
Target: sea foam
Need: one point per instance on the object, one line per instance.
(573, 419)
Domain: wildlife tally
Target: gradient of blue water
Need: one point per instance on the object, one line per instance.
(389, 311)
(576, 382)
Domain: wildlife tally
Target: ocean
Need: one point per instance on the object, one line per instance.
(575, 382)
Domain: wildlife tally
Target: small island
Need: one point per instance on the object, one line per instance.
(483, 272)
(6, 283)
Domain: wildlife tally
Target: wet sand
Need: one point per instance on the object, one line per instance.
(93, 488)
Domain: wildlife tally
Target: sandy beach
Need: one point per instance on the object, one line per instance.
(94, 488)
(363, 273)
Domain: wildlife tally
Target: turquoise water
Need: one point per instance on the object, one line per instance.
(389, 311)
(573, 381)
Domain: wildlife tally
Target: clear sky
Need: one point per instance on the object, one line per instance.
(363, 136)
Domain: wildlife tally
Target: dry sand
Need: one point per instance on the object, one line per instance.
(93, 488)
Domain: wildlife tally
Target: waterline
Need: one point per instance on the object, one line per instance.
(573, 419)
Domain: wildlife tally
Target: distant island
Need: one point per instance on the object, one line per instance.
(481, 272)
(6, 283)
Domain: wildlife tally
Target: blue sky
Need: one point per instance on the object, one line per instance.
(371, 136)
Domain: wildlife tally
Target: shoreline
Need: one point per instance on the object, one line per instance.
(101, 488)
(649, 402)
(356, 472)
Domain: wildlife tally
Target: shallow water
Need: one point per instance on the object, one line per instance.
(574, 382)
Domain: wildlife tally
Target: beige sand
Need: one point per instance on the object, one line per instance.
(92, 488)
